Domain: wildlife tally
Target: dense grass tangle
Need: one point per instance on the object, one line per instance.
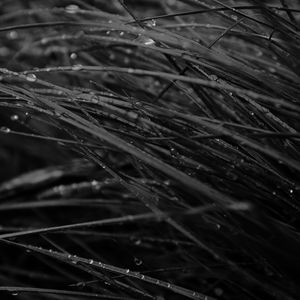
(149, 149)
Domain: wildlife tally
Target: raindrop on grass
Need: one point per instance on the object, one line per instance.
(31, 77)
(73, 55)
(12, 35)
(218, 291)
(138, 242)
(91, 262)
(148, 42)
(151, 23)
(127, 271)
(77, 67)
(72, 9)
(272, 70)
(14, 117)
(5, 129)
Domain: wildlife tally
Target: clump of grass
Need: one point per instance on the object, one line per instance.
(150, 149)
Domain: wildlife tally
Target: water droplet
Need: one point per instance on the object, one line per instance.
(137, 242)
(168, 285)
(127, 271)
(291, 191)
(77, 67)
(218, 291)
(12, 35)
(121, 33)
(137, 261)
(71, 9)
(148, 42)
(14, 294)
(73, 55)
(218, 226)
(167, 182)
(108, 32)
(112, 56)
(31, 77)
(14, 117)
(109, 21)
(5, 129)
(151, 23)
(272, 70)
(91, 262)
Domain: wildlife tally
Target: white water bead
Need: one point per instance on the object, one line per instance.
(31, 77)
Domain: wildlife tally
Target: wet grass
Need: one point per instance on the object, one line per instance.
(149, 149)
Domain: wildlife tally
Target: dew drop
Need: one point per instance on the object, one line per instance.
(77, 67)
(121, 33)
(272, 70)
(12, 35)
(218, 291)
(291, 191)
(91, 262)
(14, 117)
(137, 242)
(127, 271)
(151, 23)
(73, 55)
(71, 9)
(167, 182)
(112, 56)
(148, 42)
(14, 294)
(5, 129)
(31, 77)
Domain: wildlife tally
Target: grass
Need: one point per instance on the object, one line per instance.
(149, 149)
